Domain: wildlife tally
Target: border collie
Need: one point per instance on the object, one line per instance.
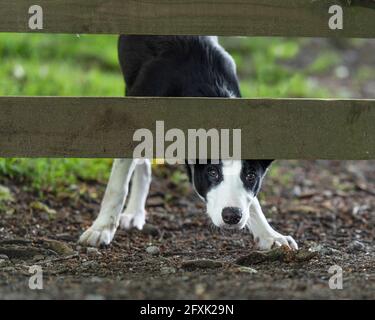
(184, 66)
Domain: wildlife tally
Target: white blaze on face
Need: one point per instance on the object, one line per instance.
(229, 193)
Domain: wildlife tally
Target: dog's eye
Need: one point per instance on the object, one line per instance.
(213, 173)
(250, 176)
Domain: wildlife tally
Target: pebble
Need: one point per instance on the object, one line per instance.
(356, 246)
(323, 249)
(3, 262)
(4, 257)
(38, 257)
(153, 250)
(90, 264)
(200, 289)
(167, 270)
(92, 252)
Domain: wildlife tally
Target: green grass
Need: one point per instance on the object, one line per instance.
(61, 65)
(263, 70)
(55, 174)
(324, 62)
(71, 65)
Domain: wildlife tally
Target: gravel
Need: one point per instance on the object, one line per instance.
(153, 250)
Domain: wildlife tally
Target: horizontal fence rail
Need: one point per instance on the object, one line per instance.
(104, 127)
(193, 17)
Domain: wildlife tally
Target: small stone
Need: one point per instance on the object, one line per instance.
(356, 246)
(167, 270)
(38, 257)
(3, 262)
(90, 264)
(153, 250)
(4, 257)
(92, 252)
(200, 289)
(323, 249)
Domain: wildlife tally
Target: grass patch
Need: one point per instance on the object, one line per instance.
(324, 62)
(55, 174)
(86, 65)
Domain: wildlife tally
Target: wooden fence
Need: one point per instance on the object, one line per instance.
(271, 128)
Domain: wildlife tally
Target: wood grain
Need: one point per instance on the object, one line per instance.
(193, 17)
(104, 127)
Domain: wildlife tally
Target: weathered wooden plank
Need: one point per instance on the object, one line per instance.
(104, 127)
(193, 17)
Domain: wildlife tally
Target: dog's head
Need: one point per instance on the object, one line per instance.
(228, 188)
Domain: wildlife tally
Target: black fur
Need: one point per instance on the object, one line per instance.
(258, 168)
(203, 182)
(201, 178)
(184, 66)
(176, 66)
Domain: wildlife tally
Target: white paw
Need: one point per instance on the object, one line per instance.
(97, 236)
(267, 242)
(133, 220)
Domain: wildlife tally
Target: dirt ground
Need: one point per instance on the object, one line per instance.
(327, 206)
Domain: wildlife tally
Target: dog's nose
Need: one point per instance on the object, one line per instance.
(231, 215)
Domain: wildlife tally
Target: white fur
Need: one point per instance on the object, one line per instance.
(135, 212)
(103, 229)
(228, 58)
(264, 236)
(229, 193)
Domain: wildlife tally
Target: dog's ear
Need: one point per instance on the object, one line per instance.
(188, 169)
(265, 164)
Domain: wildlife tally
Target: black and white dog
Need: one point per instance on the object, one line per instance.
(184, 66)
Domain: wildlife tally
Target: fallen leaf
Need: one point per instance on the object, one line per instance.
(5, 194)
(39, 206)
(282, 254)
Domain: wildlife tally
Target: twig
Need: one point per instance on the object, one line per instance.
(60, 259)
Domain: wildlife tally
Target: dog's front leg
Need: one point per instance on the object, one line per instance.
(135, 212)
(103, 229)
(264, 235)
